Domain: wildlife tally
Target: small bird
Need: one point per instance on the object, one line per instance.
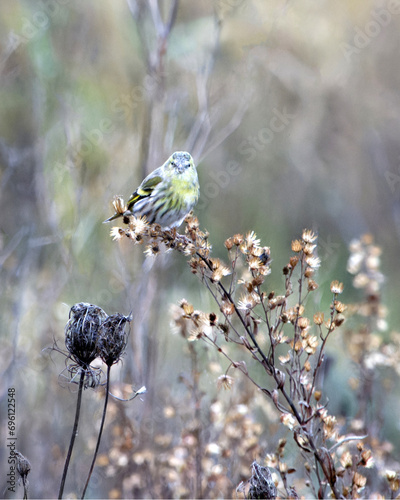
(167, 194)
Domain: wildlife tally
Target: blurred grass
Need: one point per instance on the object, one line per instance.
(75, 96)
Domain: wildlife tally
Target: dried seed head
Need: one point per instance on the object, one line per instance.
(237, 239)
(367, 459)
(288, 420)
(303, 322)
(391, 475)
(346, 460)
(229, 243)
(336, 287)
(308, 236)
(188, 309)
(116, 233)
(312, 285)
(23, 467)
(227, 308)
(309, 248)
(119, 205)
(112, 338)
(213, 319)
(261, 483)
(153, 249)
(225, 382)
(339, 306)
(309, 272)
(81, 332)
(313, 262)
(359, 480)
(318, 318)
(219, 270)
(297, 246)
(339, 319)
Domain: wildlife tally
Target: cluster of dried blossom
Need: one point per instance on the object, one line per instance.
(279, 333)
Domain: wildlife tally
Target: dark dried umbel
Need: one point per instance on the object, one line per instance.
(81, 336)
(261, 483)
(112, 338)
(81, 332)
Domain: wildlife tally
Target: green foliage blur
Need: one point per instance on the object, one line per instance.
(291, 112)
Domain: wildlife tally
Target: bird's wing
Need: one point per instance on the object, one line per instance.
(145, 189)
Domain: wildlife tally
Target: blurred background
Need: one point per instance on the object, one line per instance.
(292, 114)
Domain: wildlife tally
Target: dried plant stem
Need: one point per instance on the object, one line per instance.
(271, 369)
(25, 490)
(197, 404)
(74, 433)
(100, 431)
(265, 360)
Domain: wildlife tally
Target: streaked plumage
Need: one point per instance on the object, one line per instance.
(167, 194)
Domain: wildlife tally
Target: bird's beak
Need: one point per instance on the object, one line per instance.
(182, 166)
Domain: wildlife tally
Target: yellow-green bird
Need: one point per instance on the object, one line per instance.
(168, 194)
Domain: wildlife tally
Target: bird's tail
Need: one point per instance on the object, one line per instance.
(113, 217)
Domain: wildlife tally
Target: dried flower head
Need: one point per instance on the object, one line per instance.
(219, 270)
(248, 301)
(117, 233)
(237, 239)
(308, 236)
(81, 332)
(140, 225)
(252, 241)
(112, 338)
(367, 460)
(303, 322)
(312, 285)
(318, 318)
(310, 344)
(336, 287)
(229, 243)
(261, 483)
(309, 248)
(153, 249)
(23, 468)
(359, 480)
(188, 309)
(339, 319)
(346, 460)
(313, 262)
(393, 478)
(339, 306)
(297, 246)
(119, 205)
(225, 382)
(391, 475)
(288, 420)
(227, 308)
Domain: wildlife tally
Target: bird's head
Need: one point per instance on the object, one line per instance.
(180, 161)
